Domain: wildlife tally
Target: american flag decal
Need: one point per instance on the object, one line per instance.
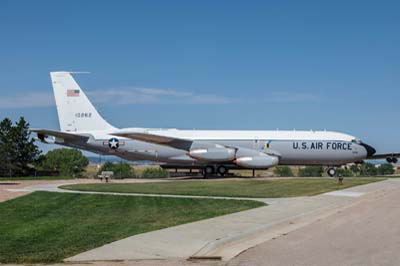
(72, 93)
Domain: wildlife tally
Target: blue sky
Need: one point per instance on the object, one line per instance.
(210, 64)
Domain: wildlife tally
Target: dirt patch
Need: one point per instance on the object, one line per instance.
(10, 190)
(8, 184)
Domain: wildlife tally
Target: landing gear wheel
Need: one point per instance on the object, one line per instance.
(389, 160)
(394, 160)
(208, 170)
(222, 170)
(331, 172)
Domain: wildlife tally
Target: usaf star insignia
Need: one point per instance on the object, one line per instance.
(113, 143)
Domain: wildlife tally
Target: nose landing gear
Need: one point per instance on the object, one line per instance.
(331, 171)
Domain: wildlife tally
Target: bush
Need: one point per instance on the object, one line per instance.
(355, 169)
(154, 173)
(386, 169)
(283, 171)
(68, 162)
(368, 169)
(344, 172)
(311, 171)
(120, 170)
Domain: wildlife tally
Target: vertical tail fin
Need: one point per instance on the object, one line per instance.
(75, 111)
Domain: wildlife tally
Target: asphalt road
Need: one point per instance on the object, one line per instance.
(365, 234)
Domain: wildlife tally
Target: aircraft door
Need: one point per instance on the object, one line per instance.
(257, 144)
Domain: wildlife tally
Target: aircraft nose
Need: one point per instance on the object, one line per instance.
(370, 150)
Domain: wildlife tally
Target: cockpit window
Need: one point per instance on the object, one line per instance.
(358, 141)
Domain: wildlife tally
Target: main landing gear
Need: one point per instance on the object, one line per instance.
(222, 170)
(210, 170)
(391, 159)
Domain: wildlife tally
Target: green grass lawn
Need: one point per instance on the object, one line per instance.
(48, 227)
(35, 178)
(276, 188)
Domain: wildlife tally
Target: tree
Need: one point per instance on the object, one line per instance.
(25, 150)
(368, 169)
(283, 171)
(67, 161)
(17, 148)
(6, 149)
(386, 169)
(121, 170)
(311, 171)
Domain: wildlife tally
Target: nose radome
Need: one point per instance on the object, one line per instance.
(370, 150)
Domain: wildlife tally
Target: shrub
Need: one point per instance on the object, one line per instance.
(120, 170)
(311, 171)
(355, 169)
(368, 169)
(345, 172)
(154, 173)
(386, 169)
(66, 161)
(283, 171)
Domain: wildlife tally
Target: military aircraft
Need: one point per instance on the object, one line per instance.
(212, 151)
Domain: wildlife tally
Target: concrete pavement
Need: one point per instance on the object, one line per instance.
(366, 233)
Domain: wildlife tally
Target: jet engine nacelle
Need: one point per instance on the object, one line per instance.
(250, 158)
(265, 161)
(218, 154)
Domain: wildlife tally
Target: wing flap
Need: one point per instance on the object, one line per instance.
(177, 143)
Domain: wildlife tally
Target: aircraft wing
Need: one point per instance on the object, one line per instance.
(178, 143)
(42, 133)
(384, 156)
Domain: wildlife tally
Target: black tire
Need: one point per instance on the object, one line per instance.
(203, 173)
(331, 172)
(394, 160)
(209, 170)
(389, 160)
(222, 170)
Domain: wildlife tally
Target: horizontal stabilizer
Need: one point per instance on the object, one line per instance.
(61, 135)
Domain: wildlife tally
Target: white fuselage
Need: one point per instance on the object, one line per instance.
(292, 147)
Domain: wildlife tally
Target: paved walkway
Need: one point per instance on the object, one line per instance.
(366, 233)
(226, 236)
